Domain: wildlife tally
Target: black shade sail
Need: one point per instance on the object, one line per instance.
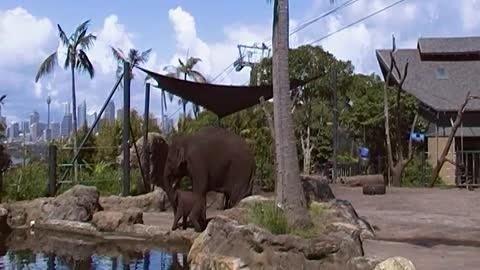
(219, 99)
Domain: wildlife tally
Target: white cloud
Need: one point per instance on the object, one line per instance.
(24, 37)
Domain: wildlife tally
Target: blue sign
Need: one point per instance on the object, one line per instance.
(363, 152)
(417, 136)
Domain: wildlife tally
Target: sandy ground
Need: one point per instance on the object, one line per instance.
(434, 228)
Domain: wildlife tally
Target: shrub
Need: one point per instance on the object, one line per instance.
(418, 173)
(268, 216)
(26, 183)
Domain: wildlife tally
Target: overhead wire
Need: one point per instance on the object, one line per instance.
(357, 21)
(299, 28)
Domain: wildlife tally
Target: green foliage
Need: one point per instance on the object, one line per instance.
(268, 216)
(26, 183)
(418, 173)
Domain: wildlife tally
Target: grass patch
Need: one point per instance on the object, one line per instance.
(272, 218)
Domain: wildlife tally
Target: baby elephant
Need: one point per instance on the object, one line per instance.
(184, 202)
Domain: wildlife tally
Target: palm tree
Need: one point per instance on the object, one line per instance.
(134, 57)
(187, 69)
(77, 59)
(289, 193)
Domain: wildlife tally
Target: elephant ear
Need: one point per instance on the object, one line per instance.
(180, 156)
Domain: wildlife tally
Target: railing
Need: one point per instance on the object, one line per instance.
(467, 171)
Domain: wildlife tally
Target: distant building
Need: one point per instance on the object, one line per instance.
(55, 127)
(34, 117)
(120, 114)
(66, 126)
(15, 130)
(110, 111)
(82, 114)
(25, 127)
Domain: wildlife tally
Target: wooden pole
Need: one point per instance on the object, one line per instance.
(146, 147)
(52, 170)
(126, 129)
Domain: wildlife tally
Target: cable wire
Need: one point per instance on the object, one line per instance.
(357, 21)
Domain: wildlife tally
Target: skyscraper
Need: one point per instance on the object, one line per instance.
(66, 108)
(15, 131)
(25, 127)
(110, 111)
(34, 117)
(55, 127)
(66, 126)
(82, 114)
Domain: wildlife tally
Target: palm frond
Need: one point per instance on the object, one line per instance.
(84, 64)
(133, 55)
(63, 36)
(86, 42)
(118, 54)
(192, 61)
(145, 55)
(197, 76)
(47, 66)
(68, 58)
(81, 28)
(181, 62)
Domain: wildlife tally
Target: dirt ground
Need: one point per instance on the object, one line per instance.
(434, 228)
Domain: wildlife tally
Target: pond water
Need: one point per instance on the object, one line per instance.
(64, 252)
(153, 259)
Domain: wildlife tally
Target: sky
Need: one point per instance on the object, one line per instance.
(210, 30)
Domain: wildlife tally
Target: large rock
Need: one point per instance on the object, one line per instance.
(316, 189)
(250, 247)
(346, 216)
(109, 221)
(155, 201)
(395, 263)
(77, 204)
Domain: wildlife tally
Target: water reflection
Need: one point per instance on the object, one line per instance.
(152, 259)
(53, 251)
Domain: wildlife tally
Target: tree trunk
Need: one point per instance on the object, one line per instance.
(289, 193)
(74, 116)
(443, 157)
(307, 148)
(397, 172)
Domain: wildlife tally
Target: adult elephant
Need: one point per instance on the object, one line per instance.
(215, 159)
(154, 162)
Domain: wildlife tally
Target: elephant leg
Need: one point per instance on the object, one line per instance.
(176, 218)
(226, 201)
(198, 214)
(184, 222)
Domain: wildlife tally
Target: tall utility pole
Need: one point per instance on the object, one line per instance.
(48, 132)
(335, 122)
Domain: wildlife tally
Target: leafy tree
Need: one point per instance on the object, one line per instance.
(77, 59)
(187, 70)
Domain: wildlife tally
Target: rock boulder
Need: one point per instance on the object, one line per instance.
(109, 221)
(250, 247)
(395, 263)
(77, 204)
(155, 201)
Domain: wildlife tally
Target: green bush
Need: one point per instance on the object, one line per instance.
(26, 183)
(418, 173)
(268, 216)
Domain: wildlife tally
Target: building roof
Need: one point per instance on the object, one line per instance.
(451, 48)
(440, 85)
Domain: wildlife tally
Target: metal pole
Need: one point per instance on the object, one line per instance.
(126, 129)
(145, 138)
(335, 123)
(93, 127)
(52, 170)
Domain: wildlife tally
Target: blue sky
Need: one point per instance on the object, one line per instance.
(206, 29)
